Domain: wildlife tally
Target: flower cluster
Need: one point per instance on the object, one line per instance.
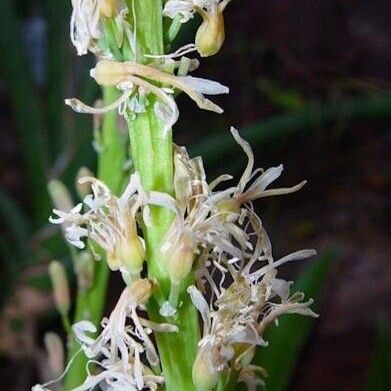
(110, 222)
(216, 238)
(121, 346)
(219, 234)
(136, 81)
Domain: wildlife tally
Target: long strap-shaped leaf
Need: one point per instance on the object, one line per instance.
(379, 376)
(28, 116)
(217, 147)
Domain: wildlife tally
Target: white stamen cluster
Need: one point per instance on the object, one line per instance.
(123, 352)
(233, 260)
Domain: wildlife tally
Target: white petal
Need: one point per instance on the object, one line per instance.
(204, 86)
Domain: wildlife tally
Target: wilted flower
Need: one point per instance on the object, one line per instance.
(86, 22)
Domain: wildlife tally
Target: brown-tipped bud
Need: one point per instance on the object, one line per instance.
(205, 377)
(180, 257)
(60, 195)
(84, 269)
(211, 34)
(109, 73)
(60, 285)
(83, 188)
(109, 8)
(141, 290)
(55, 352)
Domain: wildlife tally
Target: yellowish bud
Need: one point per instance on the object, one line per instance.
(109, 73)
(141, 290)
(211, 34)
(180, 258)
(60, 286)
(132, 254)
(84, 269)
(205, 377)
(55, 352)
(60, 195)
(113, 260)
(84, 188)
(109, 8)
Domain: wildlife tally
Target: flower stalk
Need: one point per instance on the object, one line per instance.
(152, 152)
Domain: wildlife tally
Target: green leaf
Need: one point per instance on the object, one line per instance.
(58, 63)
(379, 374)
(27, 111)
(217, 147)
(17, 228)
(287, 340)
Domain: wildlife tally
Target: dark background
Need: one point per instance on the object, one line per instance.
(310, 80)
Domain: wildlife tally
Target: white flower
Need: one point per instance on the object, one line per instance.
(131, 77)
(211, 33)
(182, 9)
(234, 323)
(121, 344)
(110, 222)
(86, 23)
(258, 188)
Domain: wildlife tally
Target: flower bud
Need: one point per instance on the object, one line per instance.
(140, 290)
(211, 34)
(83, 188)
(55, 352)
(60, 195)
(109, 8)
(84, 269)
(205, 377)
(113, 260)
(60, 286)
(132, 254)
(180, 258)
(109, 73)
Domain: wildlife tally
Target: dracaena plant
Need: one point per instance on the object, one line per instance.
(200, 280)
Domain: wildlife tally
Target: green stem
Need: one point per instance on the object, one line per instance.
(90, 303)
(152, 153)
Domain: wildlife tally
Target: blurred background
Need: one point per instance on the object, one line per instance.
(310, 88)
